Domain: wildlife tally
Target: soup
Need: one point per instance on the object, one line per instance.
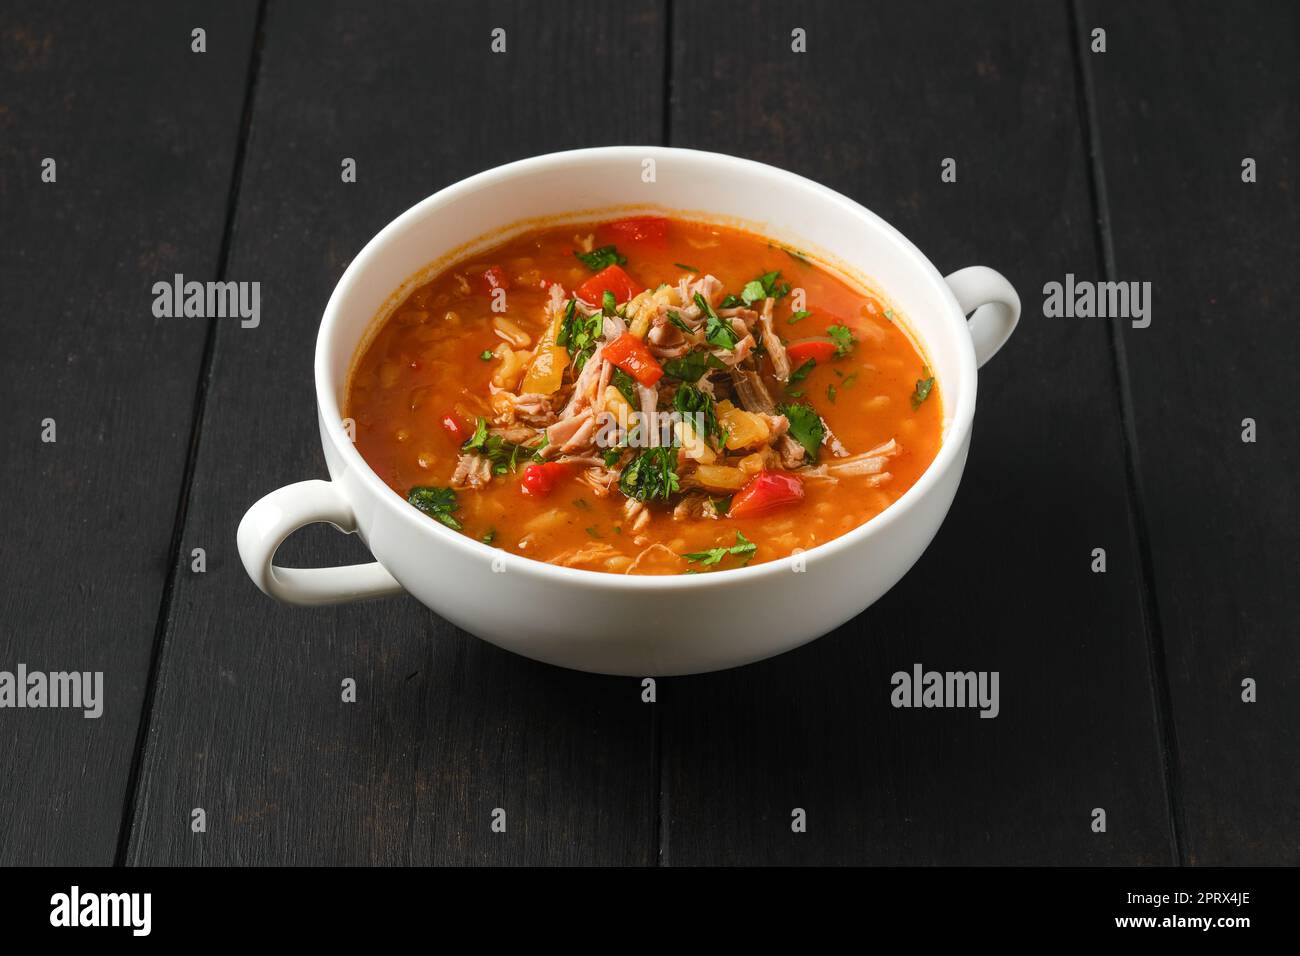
(645, 396)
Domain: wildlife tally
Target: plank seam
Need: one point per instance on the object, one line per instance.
(126, 826)
(1158, 669)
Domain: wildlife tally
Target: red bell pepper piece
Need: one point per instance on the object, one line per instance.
(630, 354)
(610, 279)
(539, 480)
(821, 349)
(765, 492)
(651, 229)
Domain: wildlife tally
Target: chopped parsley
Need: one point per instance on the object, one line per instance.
(801, 373)
(682, 265)
(486, 355)
(608, 303)
(503, 455)
(651, 474)
(691, 366)
(764, 287)
(805, 427)
(849, 379)
(676, 319)
(722, 505)
(490, 536)
(578, 333)
(601, 258)
(689, 400)
(717, 333)
(612, 456)
(437, 503)
(831, 392)
(843, 338)
(593, 532)
(743, 546)
(923, 388)
(798, 316)
(626, 386)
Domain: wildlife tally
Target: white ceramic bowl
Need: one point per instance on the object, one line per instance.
(611, 623)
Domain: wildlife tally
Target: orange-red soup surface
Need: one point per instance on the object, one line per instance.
(502, 399)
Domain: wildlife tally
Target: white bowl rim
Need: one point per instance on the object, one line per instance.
(959, 424)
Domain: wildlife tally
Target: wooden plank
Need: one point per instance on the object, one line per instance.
(249, 723)
(871, 110)
(142, 132)
(1184, 93)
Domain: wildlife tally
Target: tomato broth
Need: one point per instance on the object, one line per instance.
(525, 397)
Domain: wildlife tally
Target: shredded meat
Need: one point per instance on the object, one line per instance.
(652, 549)
(772, 342)
(695, 506)
(472, 471)
(668, 341)
(792, 453)
(600, 479)
(638, 515)
(649, 400)
(530, 408)
(753, 394)
(707, 286)
(830, 441)
(868, 463)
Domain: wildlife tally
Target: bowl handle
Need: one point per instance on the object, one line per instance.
(284, 511)
(995, 305)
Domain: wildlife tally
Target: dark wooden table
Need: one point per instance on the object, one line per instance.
(1119, 690)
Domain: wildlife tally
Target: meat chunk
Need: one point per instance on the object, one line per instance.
(472, 471)
(772, 342)
(753, 394)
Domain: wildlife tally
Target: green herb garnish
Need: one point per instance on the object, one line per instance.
(801, 373)
(601, 258)
(503, 455)
(717, 333)
(676, 319)
(691, 366)
(437, 503)
(805, 427)
(682, 265)
(626, 386)
(798, 316)
(578, 333)
(764, 287)
(689, 400)
(486, 355)
(831, 392)
(923, 388)
(651, 474)
(490, 536)
(743, 546)
(843, 338)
